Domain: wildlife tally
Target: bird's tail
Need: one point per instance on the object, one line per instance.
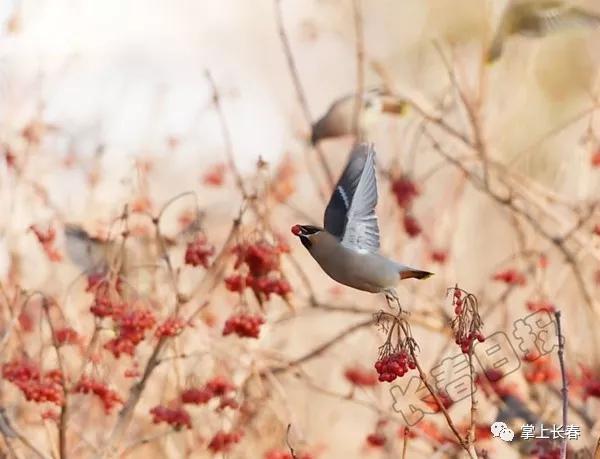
(414, 274)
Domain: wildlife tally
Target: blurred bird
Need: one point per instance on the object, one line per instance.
(89, 253)
(347, 249)
(93, 255)
(537, 19)
(338, 121)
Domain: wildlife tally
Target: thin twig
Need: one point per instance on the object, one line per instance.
(298, 86)
(478, 141)
(463, 443)
(509, 202)
(226, 135)
(471, 434)
(287, 441)
(360, 73)
(405, 442)
(62, 423)
(9, 430)
(564, 390)
(324, 346)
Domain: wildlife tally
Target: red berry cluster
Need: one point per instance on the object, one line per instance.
(590, 383)
(223, 441)
(260, 257)
(175, 417)
(541, 305)
(199, 251)
(66, 335)
(411, 225)
(215, 175)
(361, 376)
(540, 369)
(132, 326)
(510, 277)
(595, 159)
(439, 256)
(465, 342)
(218, 386)
(26, 322)
(36, 387)
(108, 397)
(263, 285)
(196, 396)
(46, 238)
(262, 261)
(376, 440)
(170, 327)
(431, 432)
(50, 415)
(104, 306)
(545, 450)
(243, 325)
(391, 366)
(467, 323)
(405, 191)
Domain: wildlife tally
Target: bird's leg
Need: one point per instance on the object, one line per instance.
(392, 298)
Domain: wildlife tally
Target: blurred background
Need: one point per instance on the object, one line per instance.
(488, 176)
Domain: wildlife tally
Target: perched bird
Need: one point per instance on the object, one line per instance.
(537, 19)
(347, 249)
(338, 121)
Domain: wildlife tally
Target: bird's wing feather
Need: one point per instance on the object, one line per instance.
(350, 215)
(341, 198)
(558, 17)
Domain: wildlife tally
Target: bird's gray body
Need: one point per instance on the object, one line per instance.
(371, 272)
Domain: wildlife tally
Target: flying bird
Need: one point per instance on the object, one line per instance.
(88, 253)
(347, 248)
(339, 118)
(538, 19)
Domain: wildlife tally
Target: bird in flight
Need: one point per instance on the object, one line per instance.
(347, 248)
(538, 19)
(338, 120)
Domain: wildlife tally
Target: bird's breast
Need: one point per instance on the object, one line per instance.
(364, 271)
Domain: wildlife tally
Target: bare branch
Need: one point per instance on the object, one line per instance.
(564, 390)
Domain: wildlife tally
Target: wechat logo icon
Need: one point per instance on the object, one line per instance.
(499, 429)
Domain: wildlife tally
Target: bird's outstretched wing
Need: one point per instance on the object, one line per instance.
(558, 17)
(350, 214)
(538, 19)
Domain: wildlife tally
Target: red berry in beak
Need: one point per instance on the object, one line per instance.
(296, 230)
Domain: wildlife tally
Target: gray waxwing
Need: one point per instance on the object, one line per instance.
(93, 255)
(88, 253)
(347, 248)
(338, 119)
(538, 18)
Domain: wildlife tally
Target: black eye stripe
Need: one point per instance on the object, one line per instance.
(305, 242)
